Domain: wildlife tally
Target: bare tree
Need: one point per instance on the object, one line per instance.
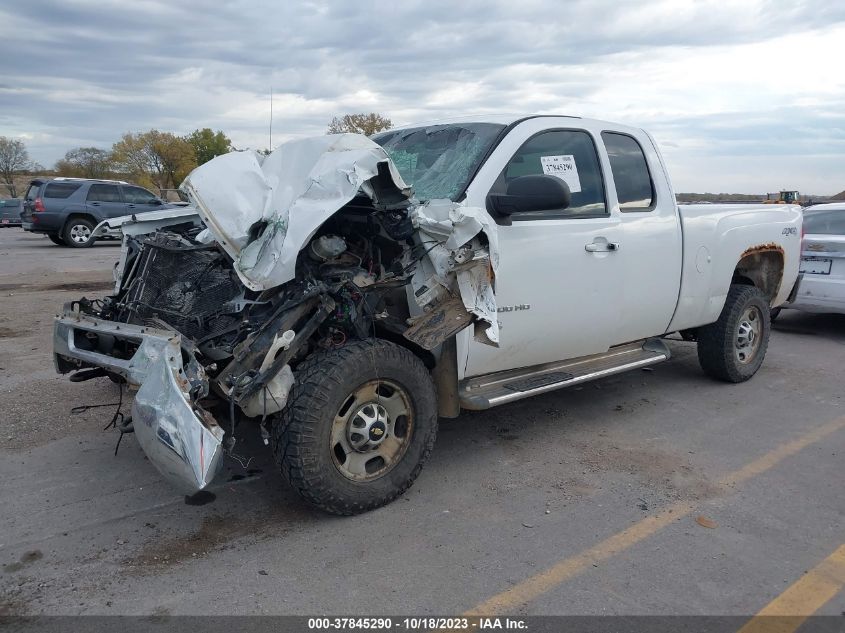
(13, 159)
(365, 124)
(86, 162)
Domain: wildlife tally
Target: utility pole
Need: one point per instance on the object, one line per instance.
(271, 118)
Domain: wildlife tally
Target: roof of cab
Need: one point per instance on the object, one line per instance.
(511, 120)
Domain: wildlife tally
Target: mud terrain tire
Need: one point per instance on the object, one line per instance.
(733, 348)
(305, 434)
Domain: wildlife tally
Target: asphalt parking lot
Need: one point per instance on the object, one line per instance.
(653, 492)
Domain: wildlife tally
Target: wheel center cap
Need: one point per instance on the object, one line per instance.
(368, 427)
(378, 430)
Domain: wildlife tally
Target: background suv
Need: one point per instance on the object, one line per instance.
(68, 209)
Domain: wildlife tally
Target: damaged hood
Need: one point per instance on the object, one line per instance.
(264, 209)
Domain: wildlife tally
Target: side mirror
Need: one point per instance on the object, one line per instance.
(537, 192)
(156, 202)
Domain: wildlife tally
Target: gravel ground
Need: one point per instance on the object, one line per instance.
(508, 494)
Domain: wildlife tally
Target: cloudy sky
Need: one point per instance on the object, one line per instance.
(743, 96)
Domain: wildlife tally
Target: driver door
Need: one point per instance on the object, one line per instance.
(559, 280)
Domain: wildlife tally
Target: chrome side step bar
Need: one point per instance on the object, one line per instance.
(483, 392)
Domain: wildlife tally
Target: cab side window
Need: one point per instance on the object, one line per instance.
(566, 154)
(634, 187)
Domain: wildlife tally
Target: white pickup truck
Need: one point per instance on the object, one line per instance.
(344, 292)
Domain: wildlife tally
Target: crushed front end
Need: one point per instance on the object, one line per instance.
(138, 336)
(216, 305)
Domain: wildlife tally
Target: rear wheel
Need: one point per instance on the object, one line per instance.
(360, 423)
(79, 233)
(733, 348)
(56, 239)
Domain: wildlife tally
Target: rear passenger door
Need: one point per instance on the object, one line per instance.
(651, 252)
(139, 200)
(104, 201)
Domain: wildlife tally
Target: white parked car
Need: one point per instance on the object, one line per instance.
(822, 284)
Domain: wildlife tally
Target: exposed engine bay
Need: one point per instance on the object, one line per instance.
(350, 283)
(380, 265)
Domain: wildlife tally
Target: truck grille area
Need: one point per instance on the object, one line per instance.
(190, 288)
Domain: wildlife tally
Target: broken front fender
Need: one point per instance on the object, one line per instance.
(182, 440)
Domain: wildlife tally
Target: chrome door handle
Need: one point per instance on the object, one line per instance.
(601, 247)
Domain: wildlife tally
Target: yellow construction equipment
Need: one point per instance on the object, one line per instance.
(782, 197)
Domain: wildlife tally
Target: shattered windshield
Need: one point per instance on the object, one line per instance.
(438, 160)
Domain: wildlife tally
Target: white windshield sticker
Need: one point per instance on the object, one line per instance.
(563, 167)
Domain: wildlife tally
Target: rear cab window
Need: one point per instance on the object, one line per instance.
(61, 190)
(104, 193)
(634, 186)
(566, 154)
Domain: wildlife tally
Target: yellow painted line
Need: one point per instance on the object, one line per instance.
(802, 599)
(565, 569)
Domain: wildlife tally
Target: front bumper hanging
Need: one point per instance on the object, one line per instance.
(180, 438)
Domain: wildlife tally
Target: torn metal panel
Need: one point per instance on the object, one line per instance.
(147, 222)
(430, 329)
(181, 440)
(457, 224)
(264, 210)
(459, 261)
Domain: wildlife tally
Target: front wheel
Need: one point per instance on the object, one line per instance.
(360, 423)
(733, 348)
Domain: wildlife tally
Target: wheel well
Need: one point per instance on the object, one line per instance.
(762, 267)
(424, 355)
(84, 216)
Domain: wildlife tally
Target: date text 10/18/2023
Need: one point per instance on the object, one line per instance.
(417, 623)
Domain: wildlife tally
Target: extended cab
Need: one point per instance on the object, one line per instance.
(344, 292)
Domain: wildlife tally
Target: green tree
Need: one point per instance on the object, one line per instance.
(365, 124)
(160, 159)
(14, 158)
(207, 144)
(86, 162)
